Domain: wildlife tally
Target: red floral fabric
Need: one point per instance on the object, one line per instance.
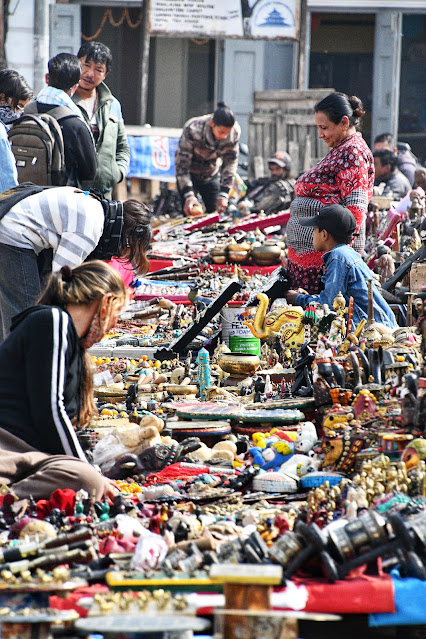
(344, 176)
(345, 170)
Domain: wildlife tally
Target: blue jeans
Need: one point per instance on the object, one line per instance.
(19, 284)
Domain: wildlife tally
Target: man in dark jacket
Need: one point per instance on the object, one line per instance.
(275, 193)
(406, 161)
(386, 171)
(79, 149)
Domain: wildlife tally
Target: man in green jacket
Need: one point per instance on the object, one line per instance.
(102, 111)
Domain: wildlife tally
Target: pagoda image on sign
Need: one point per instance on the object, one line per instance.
(275, 19)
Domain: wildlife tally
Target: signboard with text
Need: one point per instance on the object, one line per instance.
(263, 19)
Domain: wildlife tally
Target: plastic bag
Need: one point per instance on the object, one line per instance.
(107, 450)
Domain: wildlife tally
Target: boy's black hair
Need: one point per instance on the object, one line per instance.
(96, 52)
(64, 71)
(386, 156)
(341, 239)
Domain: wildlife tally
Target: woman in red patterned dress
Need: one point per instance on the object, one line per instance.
(345, 176)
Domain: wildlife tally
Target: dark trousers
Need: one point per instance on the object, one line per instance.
(208, 188)
(19, 283)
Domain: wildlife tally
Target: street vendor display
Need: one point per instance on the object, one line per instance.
(302, 455)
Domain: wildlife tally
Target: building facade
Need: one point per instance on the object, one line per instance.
(375, 49)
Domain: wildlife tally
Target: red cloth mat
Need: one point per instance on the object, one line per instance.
(157, 265)
(70, 602)
(280, 219)
(362, 594)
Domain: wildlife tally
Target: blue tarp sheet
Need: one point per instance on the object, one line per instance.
(410, 603)
(152, 157)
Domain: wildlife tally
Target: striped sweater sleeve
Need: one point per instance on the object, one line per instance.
(49, 353)
(80, 222)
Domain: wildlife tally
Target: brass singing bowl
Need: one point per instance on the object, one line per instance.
(267, 254)
(238, 256)
(180, 389)
(239, 363)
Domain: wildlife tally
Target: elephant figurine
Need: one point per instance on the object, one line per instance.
(288, 321)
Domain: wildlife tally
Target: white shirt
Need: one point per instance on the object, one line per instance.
(59, 218)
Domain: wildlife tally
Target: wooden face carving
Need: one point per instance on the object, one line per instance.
(332, 447)
(413, 453)
(340, 452)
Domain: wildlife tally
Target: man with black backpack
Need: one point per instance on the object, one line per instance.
(51, 142)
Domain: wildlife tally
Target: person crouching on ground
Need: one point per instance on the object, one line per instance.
(343, 268)
(65, 227)
(46, 382)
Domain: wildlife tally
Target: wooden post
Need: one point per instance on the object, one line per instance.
(247, 587)
(243, 597)
(2, 35)
(144, 68)
(301, 66)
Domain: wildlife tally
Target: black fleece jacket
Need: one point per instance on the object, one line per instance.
(40, 380)
(79, 148)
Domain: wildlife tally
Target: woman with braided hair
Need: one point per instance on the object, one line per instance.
(46, 382)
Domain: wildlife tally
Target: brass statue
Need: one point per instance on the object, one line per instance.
(288, 321)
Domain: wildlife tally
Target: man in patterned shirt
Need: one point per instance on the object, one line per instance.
(207, 159)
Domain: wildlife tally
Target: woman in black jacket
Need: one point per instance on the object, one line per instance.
(46, 382)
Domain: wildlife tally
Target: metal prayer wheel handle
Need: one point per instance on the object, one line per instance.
(299, 547)
(247, 587)
(409, 320)
(413, 540)
(401, 546)
(365, 531)
(274, 624)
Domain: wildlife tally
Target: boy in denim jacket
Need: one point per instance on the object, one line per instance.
(343, 268)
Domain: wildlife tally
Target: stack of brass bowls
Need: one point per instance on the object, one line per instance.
(266, 254)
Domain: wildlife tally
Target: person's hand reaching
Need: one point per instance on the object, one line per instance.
(111, 489)
(291, 295)
(222, 204)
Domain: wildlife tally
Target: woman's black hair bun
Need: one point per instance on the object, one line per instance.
(357, 106)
